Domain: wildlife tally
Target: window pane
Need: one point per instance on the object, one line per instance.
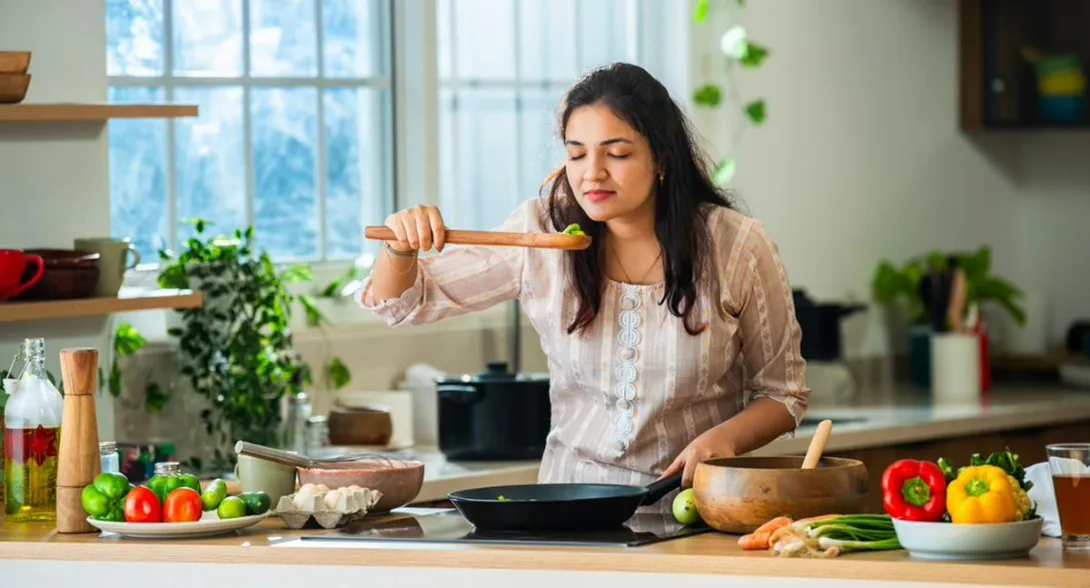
(481, 52)
(602, 45)
(207, 38)
(138, 176)
(480, 159)
(283, 38)
(284, 124)
(208, 179)
(541, 149)
(356, 189)
(354, 38)
(546, 34)
(134, 37)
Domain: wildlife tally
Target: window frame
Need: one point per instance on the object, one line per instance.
(661, 45)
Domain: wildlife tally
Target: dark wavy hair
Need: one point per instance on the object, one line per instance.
(637, 98)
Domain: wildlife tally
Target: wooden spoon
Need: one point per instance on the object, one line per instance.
(497, 239)
(817, 444)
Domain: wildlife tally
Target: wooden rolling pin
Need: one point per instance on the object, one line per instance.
(77, 461)
(497, 239)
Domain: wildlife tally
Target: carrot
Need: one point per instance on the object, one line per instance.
(759, 539)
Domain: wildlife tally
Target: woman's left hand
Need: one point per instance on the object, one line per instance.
(712, 444)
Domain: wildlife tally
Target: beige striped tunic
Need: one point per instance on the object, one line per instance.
(630, 393)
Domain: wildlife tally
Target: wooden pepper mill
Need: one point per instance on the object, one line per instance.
(78, 459)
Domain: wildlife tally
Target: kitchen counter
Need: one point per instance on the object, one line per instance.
(880, 418)
(271, 555)
(903, 415)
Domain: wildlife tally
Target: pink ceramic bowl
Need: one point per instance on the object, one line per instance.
(399, 481)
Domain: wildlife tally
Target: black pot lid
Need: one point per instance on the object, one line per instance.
(495, 372)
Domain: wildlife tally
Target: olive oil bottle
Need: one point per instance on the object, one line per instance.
(32, 432)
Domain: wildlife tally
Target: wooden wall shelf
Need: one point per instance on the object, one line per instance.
(92, 112)
(129, 300)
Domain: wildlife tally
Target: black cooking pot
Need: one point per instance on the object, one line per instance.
(496, 415)
(820, 324)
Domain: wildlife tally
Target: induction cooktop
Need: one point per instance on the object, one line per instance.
(448, 526)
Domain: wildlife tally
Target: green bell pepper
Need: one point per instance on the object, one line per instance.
(163, 484)
(104, 498)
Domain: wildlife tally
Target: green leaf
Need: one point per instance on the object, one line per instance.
(724, 172)
(741, 2)
(314, 317)
(708, 96)
(297, 273)
(700, 12)
(338, 373)
(756, 111)
(889, 283)
(753, 56)
(127, 340)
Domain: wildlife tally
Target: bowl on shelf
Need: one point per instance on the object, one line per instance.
(13, 88)
(947, 541)
(399, 481)
(14, 62)
(69, 274)
(369, 425)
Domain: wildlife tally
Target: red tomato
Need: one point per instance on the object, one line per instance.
(142, 506)
(183, 505)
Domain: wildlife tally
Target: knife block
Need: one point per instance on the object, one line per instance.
(78, 460)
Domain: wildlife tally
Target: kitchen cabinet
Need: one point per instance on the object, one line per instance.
(1029, 443)
(1004, 85)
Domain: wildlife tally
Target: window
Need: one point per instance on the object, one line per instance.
(295, 128)
(503, 66)
(299, 110)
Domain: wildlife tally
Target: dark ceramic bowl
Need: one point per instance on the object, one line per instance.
(69, 274)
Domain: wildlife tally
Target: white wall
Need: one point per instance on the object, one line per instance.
(862, 157)
(54, 176)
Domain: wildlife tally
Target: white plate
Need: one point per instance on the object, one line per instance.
(968, 542)
(209, 525)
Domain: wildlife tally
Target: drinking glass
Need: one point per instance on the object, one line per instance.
(1069, 464)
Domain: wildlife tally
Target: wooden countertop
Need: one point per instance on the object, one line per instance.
(712, 553)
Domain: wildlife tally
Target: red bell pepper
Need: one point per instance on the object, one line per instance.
(914, 491)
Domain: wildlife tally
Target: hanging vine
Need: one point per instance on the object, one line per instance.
(740, 51)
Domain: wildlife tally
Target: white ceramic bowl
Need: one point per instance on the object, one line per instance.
(968, 542)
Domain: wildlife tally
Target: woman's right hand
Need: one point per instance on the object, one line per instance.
(418, 229)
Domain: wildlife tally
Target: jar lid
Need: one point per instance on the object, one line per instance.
(318, 420)
(168, 467)
(107, 447)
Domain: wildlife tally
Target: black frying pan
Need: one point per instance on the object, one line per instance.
(549, 507)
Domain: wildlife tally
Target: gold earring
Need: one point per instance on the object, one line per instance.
(662, 177)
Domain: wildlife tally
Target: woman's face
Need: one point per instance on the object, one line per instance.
(610, 166)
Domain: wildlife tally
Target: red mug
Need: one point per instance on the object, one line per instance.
(12, 265)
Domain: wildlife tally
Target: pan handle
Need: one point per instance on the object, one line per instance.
(660, 488)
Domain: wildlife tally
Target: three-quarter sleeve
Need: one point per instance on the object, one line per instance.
(761, 297)
(462, 279)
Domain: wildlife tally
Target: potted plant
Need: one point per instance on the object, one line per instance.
(236, 350)
(900, 288)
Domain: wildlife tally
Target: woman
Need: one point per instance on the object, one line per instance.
(671, 340)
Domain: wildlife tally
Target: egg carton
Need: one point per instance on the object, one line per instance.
(330, 508)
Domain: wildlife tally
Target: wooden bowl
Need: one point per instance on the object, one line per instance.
(398, 481)
(739, 494)
(13, 88)
(14, 62)
(370, 425)
(69, 274)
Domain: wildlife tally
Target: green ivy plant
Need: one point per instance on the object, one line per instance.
(892, 284)
(740, 50)
(236, 350)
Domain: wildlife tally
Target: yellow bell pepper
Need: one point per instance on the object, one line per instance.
(981, 495)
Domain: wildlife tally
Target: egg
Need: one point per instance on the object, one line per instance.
(332, 498)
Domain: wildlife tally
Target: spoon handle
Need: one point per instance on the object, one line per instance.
(270, 454)
(817, 445)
